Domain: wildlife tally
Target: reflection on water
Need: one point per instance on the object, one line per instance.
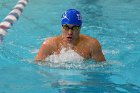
(101, 78)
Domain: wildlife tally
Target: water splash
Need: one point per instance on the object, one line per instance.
(69, 59)
(66, 55)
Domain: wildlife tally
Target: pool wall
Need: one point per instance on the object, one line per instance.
(11, 18)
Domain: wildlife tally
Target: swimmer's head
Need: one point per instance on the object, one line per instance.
(71, 16)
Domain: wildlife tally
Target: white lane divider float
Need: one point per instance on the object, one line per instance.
(11, 18)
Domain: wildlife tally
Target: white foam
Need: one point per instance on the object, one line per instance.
(114, 52)
(66, 55)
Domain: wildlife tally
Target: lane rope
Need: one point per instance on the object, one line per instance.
(11, 18)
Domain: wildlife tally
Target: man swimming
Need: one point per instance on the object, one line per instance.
(70, 38)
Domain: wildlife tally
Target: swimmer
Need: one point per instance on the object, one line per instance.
(70, 38)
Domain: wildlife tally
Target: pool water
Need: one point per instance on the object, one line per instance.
(114, 23)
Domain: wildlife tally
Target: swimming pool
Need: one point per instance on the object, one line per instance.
(114, 23)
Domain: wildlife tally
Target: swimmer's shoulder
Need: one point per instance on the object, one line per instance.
(51, 40)
(88, 38)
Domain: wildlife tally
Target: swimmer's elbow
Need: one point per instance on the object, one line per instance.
(38, 59)
(100, 60)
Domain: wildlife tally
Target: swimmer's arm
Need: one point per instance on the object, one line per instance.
(97, 53)
(44, 51)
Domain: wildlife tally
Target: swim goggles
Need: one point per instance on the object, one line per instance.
(66, 27)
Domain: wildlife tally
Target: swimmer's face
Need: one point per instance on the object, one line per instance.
(70, 32)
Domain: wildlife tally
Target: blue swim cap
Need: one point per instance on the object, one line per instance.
(71, 16)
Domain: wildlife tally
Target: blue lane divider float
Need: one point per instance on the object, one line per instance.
(11, 18)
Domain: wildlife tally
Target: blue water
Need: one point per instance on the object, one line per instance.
(115, 23)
